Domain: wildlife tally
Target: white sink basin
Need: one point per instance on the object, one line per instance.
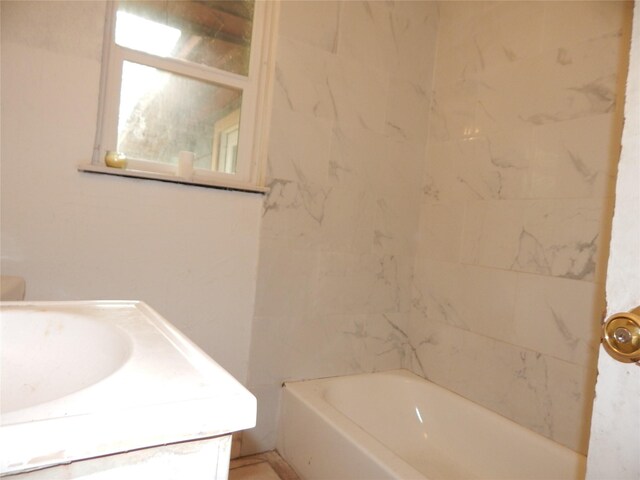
(84, 379)
(53, 354)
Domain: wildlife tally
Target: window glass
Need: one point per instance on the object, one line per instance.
(212, 33)
(162, 113)
(179, 82)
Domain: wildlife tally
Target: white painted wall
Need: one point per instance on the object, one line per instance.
(191, 253)
(614, 447)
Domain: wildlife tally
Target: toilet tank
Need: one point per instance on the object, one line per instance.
(11, 288)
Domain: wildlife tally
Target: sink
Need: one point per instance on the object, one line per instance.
(81, 380)
(47, 355)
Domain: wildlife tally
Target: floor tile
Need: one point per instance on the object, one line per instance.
(257, 471)
(261, 466)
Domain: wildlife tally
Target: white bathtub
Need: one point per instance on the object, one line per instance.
(397, 425)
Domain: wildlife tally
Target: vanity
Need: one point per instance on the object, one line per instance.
(111, 390)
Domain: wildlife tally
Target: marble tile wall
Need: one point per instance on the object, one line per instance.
(523, 143)
(339, 227)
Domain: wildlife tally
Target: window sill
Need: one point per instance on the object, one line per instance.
(168, 177)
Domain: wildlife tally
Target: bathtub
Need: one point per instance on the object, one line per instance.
(395, 425)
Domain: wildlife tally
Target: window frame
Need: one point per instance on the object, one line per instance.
(256, 87)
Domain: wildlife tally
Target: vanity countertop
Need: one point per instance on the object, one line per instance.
(83, 379)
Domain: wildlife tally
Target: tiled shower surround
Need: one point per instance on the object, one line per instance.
(520, 168)
(441, 183)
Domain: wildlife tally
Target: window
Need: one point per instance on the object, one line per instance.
(187, 76)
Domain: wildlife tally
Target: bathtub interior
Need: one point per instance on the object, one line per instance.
(437, 432)
(416, 425)
(320, 443)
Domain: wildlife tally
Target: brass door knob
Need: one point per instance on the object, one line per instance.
(621, 336)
